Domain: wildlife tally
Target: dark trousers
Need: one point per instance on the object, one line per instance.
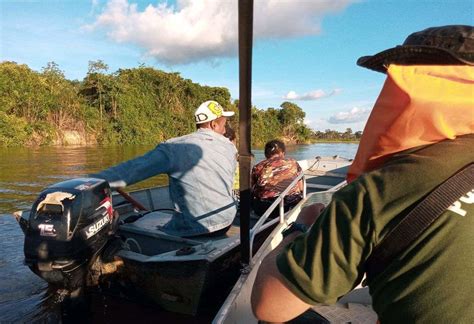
(259, 206)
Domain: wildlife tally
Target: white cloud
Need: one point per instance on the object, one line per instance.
(196, 30)
(291, 95)
(355, 115)
(94, 6)
(312, 95)
(293, 18)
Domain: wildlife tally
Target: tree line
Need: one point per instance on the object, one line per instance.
(332, 135)
(139, 105)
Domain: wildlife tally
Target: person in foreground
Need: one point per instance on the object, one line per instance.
(200, 167)
(419, 134)
(272, 176)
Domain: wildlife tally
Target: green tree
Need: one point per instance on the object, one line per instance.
(292, 120)
(22, 92)
(62, 104)
(95, 85)
(348, 134)
(291, 114)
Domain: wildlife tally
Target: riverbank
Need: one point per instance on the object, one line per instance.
(334, 141)
(72, 138)
(140, 105)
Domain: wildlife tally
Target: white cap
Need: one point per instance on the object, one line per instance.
(210, 110)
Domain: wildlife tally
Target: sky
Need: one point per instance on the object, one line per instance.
(304, 50)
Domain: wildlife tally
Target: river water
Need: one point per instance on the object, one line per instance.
(24, 172)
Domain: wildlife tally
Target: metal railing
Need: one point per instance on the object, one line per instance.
(260, 226)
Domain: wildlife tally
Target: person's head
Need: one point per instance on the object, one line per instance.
(429, 84)
(230, 133)
(210, 114)
(445, 45)
(274, 147)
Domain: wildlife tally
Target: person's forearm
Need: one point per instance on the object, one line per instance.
(280, 247)
(272, 301)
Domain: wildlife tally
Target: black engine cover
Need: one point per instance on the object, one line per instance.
(69, 223)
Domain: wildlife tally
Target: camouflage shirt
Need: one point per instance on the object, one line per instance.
(272, 176)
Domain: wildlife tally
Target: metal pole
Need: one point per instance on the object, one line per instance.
(245, 104)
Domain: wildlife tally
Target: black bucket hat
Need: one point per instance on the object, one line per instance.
(445, 45)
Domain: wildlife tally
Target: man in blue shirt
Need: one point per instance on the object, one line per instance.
(200, 167)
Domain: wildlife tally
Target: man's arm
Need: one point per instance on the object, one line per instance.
(127, 173)
(272, 301)
(300, 183)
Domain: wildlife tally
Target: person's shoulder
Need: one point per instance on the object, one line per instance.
(260, 165)
(199, 137)
(180, 139)
(290, 160)
(210, 135)
(429, 161)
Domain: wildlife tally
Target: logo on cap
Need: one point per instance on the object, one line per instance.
(215, 108)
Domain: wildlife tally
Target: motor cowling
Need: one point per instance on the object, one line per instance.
(69, 224)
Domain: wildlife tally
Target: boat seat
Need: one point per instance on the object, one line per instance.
(152, 220)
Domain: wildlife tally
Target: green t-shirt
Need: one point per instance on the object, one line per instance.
(430, 282)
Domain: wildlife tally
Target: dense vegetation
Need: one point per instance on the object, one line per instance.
(130, 106)
(334, 136)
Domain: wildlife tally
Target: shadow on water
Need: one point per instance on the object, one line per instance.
(102, 307)
(106, 308)
(47, 305)
(23, 296)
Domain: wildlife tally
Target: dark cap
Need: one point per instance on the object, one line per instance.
(445, 45)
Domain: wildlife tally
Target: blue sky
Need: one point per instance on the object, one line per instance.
(304, 51)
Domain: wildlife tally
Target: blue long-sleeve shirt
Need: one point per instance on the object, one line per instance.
(200, 167)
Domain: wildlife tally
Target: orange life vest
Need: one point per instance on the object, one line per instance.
(418, 105)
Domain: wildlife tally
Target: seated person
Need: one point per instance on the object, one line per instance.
(272, 176)
(201, 168)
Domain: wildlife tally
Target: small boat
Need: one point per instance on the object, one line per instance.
(77, 233)
(184, 275)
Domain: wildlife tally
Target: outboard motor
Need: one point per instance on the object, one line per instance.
(68, 227)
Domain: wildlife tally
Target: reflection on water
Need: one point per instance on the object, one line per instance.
(24, 172)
